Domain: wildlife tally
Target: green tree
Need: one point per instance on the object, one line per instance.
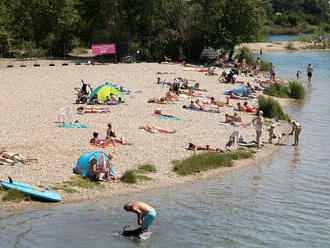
(236, 24)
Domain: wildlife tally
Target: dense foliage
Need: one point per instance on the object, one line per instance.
(179, 29)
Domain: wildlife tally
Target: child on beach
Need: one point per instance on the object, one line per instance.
(271, 134)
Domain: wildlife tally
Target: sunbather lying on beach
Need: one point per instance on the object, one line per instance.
(171, 96)
(196, 105)
(152, 129)
(83, 109)
(194, 147)
(161, 100)
(233, 96)
(10, 158)
(232, 119)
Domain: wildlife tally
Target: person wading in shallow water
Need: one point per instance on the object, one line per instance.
(309, 71)
(145, 214)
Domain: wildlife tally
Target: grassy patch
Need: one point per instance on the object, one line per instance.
(297, 90)
(242, 153)
(202, 162)
(132, 176)
(271, 108)
(129, 177)
(143, 178)
(80, 182)
(64, 188)
(15, 196)
(146, 168)
(278, 90)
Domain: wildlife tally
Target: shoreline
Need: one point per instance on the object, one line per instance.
(63, 146)
(279, 47)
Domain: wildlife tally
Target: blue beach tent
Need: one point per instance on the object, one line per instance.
(82, 167)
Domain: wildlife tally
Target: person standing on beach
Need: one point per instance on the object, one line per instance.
(258, 65)
(145, 214)
(272, 71)
(309, 71)
(296, 130)
(259, 120)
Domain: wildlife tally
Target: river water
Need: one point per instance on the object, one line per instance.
(282, 202)
(283, 38)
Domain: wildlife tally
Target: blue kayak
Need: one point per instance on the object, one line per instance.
(33, 191)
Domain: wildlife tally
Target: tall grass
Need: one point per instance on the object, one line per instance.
(210, 160)
(293, 90)
(278, 90)
(271, 108)
(297, 90)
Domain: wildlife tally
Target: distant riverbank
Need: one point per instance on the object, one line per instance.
(281, 46)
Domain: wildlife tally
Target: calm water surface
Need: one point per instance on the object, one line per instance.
(283, 38)
(283, 202)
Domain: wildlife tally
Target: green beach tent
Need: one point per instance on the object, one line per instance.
(104, 91)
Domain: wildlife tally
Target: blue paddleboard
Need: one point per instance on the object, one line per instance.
(33, 191)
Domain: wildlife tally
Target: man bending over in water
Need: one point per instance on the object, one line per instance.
(145, 214)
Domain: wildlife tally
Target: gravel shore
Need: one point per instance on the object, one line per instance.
(32, 96)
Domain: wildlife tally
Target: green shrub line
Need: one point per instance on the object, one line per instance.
(271, 108)
(207, 161)
(294, 89)
(133, 175)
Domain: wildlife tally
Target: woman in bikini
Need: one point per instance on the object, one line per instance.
(12, 157)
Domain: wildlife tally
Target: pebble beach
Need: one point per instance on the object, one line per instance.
(31, 98)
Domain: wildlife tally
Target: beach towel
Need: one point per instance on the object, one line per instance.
(73, 125)
(92, 112)
(168, 117)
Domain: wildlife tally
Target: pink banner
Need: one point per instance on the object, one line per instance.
(104, 49)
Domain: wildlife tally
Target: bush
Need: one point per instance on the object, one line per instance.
(271, 108)
(278, 90)
(297, 90)
(245, 53)
(129, 177)
(264, 65)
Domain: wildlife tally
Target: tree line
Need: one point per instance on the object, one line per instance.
(179, 29)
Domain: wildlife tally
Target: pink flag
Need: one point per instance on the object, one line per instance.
(104, 49)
